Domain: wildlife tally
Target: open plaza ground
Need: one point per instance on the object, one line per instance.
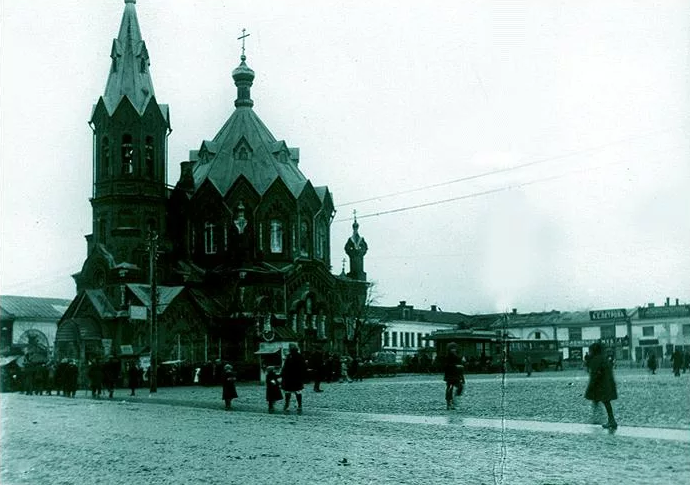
(510, 429)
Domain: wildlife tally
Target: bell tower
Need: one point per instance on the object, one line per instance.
(356, 247)
(130, 130)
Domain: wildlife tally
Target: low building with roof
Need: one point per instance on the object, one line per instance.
(661, 330)
(29, 325)
(406, 330)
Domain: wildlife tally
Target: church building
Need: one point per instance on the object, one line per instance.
(238, 249)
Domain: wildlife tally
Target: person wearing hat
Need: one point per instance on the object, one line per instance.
(293, 373)
(229, 390)
(453, 375)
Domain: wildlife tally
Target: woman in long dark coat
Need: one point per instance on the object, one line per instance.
(453, 375)
(601, 387)
(293, 373)
(229, 389)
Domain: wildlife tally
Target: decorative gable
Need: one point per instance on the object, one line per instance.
(207, 151)
(281, 151)
(242, 151)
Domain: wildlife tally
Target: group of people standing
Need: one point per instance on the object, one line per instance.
(679, 361)
(40, 377)
(288, 380)
(106, 376)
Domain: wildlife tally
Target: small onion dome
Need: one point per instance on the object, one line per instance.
(243, 77)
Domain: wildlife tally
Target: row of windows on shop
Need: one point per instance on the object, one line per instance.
(127, 161)
(216, 236)
(406, 339)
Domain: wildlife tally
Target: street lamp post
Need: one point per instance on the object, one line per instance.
(153, 255)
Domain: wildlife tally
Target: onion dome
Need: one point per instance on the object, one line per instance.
(244, 77)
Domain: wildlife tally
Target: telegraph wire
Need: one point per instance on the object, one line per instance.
(476, 194)
(491, 191)
(514, 167)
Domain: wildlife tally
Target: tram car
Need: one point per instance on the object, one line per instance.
(488, 351)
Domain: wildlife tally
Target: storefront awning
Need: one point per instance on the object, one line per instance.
(266, 352)
(8, 360)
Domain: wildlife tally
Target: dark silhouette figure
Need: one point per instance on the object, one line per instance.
(454, 375)
(229, 389)
(528, 365)
(677, 359)
(133, 377)
(602, 386)
(111, 375)
(317, 365)
(273, 392)
(652, 362)
(292, 376)
(95, 375)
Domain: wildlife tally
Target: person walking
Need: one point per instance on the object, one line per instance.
(453, 375)
(528, 364)
(316, 364)
(95, 375)
(133, 375)
(652, 362)
(229, 389)
(602, 386)
(354, 370)
(111, 375)
(273, 392)
(677, 359)
(292, 377)
(344, 364)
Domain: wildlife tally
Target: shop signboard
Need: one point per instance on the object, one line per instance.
(678, 311)
(614, 314)
(622, 341)
(137, 312)
(649, 341)
(575, 353)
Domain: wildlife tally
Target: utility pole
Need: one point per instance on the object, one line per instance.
(153, 256)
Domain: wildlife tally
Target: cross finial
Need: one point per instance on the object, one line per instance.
(343, 265)
(242, 37)
(354, 213)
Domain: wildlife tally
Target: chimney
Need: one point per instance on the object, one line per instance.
(402, 303)
(186, 182)
(433, 308)
(514, 311)
(668, 301)
(677, 302)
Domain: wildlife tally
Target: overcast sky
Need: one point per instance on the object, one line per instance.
(580, 107)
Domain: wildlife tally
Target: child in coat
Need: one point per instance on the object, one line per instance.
(229, 390)
(273, 392)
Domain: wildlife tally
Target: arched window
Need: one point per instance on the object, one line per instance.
(105, 157)
(149, 158)
(321, 242)
(127, 155)
(304, 239)
(209, 239)
(276, 236)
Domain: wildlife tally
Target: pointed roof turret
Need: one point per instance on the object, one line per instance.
(129, 72)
